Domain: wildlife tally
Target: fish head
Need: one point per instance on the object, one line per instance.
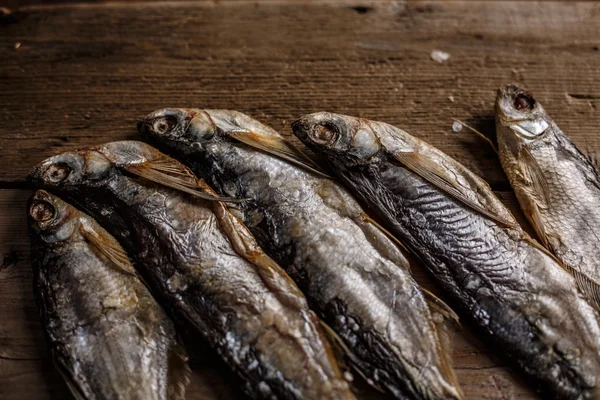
(181, 129)
(339, 138)
(53, 219)
(72, 169)
(519, 117)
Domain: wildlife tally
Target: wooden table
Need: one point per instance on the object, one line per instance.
(77, 75)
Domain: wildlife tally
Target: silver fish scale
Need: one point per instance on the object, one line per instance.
(204, 266)
(208, 265)
(557, 186)
(332, 259)
(105, 329)
(503, 281)
(459, 234)
(105, 341)
(571, 218)
(512, 288)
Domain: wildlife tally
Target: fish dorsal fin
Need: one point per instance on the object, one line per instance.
(438, 305)
(278, 147)
(171, 173)
(108, 247)
(534, 177)
(535, 217)
(273, 276)
(445, 173)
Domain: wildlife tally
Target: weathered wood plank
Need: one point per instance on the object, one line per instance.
(85, 74)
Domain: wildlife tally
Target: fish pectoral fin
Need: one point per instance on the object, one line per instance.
(109, 248)
(73, 386)
(438, 305)
(278, 147)
(534, 177)
(342, 350)
(170, 173)
(179, 372)
(446, 180)
(444, 343)
(535, 217)
(365, 218)
(245, 245)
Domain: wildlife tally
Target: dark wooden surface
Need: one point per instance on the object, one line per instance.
(77, 75)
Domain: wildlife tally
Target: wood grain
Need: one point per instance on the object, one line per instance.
(77, 75)
(109, 65)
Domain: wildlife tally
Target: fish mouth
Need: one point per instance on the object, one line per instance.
(35, 174)
(518, 98)
(32, 174)
(514, 104)
(523, 101)
(507, 120)
(303, 125)
(41, 196)
(299, 127)
(143, 128)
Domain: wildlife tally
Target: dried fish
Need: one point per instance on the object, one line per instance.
(451, 220)
(557, 186)
(108, 337)
(353, 274)
(204, 265)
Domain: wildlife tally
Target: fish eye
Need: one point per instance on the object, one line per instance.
(58, 172)
(324, 134)
(524, 102)
(42, 211)
(164, 125)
